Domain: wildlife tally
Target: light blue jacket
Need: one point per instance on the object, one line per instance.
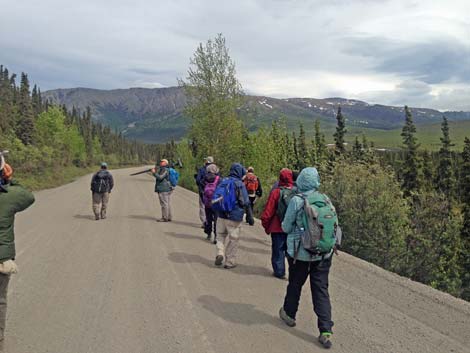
(307, 182)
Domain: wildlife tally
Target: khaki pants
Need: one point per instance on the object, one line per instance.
(100, 204)
(4, 280)
(228, 234)
(202, 211)
(164, 198)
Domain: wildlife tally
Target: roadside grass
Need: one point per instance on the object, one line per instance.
(52, 178)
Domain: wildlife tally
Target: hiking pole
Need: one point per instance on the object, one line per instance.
(142, 172)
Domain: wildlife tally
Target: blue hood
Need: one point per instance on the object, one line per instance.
(237, 171)
(308, 180)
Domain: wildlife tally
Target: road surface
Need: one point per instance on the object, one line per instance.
(131, 285)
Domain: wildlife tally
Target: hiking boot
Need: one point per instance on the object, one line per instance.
(218, 260)
(279, 276)
(286, 318)
(229, 266)
(325, 340)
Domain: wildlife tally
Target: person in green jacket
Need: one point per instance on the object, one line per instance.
(13, 199)
(303, 264)
(164, 189)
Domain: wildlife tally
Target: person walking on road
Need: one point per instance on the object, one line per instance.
(253, 186)
(164, 189)
(211, 181)
(313, 261)
(102, 184)
(200, 182)
(233, 195)
(13, 199)
(272, 217)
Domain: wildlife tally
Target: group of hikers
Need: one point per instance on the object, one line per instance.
(301, 220)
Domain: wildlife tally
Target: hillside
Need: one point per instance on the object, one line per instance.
(156, 115)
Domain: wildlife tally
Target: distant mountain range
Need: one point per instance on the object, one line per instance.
(156, 115)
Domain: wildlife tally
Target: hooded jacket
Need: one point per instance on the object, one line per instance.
(243, 203)
(307, 183)
(13, 199)
(269, 218)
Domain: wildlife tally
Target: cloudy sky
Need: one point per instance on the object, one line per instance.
(414, 52)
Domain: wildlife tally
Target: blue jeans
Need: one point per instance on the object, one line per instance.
(278, 255)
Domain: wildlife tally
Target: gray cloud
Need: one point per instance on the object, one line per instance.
(436, 61)
(296, 47)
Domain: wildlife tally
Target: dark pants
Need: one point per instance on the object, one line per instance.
(211, 222)
(278, 254)
(252, 201)
(318, 272)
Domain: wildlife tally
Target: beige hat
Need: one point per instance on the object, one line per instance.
(212, 168)
(209, 159)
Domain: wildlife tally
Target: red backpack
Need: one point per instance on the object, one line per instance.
(251, 183)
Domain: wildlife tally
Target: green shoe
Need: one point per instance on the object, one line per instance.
(325, 339)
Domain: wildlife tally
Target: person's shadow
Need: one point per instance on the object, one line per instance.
(248, 314)
(241, 269)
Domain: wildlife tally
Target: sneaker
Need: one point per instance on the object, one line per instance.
(208, 237)
(229, 266)
(103, 217)
(97, 218)
(218, 260)
(162, 220)
(325, 340)
(215, 241)
(286, 318)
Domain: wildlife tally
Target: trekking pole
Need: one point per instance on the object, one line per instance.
(142, 172)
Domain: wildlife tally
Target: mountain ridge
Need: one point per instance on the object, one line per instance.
(156, 114)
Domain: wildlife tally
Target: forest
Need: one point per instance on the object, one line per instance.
(49, 144)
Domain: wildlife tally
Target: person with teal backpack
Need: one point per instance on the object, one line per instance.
(313, 233)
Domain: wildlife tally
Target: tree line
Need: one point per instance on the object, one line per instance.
(42, 136)
(407, 211)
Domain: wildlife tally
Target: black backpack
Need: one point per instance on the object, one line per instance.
(100, 182)
(285, 195)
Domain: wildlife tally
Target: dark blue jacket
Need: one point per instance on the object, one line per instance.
(237, 172)
(200, 179)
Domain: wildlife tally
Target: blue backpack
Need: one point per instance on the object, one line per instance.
(174, 176)
(225, 196)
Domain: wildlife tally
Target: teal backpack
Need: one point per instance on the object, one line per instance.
(320, 224)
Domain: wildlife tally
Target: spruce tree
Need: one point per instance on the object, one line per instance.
(321, 151)
(340, 132)
(357, 150)
(25, 120)
(411, 164)
(445, 178)
(302, 149)
(465, 233)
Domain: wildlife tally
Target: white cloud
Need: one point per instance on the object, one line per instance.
(363, 48)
